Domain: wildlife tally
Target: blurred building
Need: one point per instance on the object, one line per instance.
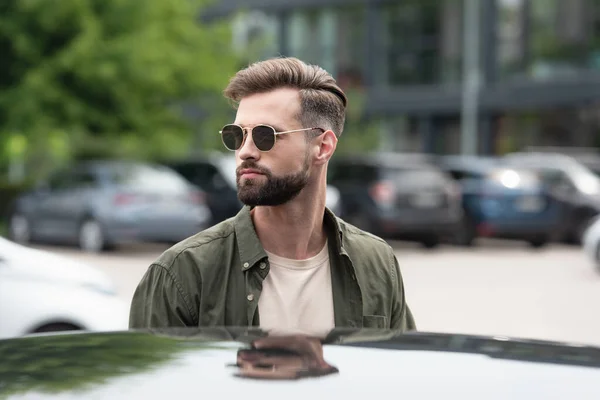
(540, 64)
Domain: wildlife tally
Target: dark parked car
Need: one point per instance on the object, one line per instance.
(571, 183)
(215, 175)
(399, 196)
(101, 204)
(502, 201)
(247, 362)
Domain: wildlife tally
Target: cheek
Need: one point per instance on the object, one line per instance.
(295, 161)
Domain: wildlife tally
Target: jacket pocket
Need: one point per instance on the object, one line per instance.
(374, 321)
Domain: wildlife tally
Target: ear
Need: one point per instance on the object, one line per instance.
(326, 145)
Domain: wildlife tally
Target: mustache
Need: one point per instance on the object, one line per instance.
(252, 165)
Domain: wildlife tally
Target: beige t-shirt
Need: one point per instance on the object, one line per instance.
(297, 295)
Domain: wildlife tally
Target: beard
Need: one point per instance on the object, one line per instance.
(270, 190)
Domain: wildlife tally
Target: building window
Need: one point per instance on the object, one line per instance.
(511, 38)
(420, 41)
(563, 41)
(333, 38)
(255, 35)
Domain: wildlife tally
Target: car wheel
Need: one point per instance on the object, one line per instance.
(583, 224)
(91, 236)
(538, 242)
(20, 229)
(467, 232)
(56, 327)
(430, 242)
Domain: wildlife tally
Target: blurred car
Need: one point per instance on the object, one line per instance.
(333, 200)
(398, 196)
(215, 174)
(571, 183)
(44, 292)
(227, 362)
(102, 204)
(588, 156)
(591, 242)
(501, 201)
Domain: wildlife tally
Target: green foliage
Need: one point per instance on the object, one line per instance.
(114, 70)
(57, 363)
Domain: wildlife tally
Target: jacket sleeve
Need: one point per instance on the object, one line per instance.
(402, 318)
(160, 302)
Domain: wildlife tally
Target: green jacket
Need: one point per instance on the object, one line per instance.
(214, 278)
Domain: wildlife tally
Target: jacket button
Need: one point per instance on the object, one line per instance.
(263, 265)
(246, 265)
(250, 297)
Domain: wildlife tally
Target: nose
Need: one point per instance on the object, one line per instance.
(248, 149)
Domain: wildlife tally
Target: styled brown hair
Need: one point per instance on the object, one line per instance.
(322, 102)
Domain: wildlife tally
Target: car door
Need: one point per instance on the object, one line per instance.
(221, 197)
(61, 205)
(49, 202)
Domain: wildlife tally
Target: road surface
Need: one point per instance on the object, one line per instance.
(505, 290)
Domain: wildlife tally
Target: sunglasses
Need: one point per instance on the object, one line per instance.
(263, 136)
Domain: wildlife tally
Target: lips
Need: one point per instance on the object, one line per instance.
(248, 171)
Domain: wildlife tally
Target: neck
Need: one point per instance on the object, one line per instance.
(293, 230)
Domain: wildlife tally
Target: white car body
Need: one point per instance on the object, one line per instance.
(591, 242)
(332, 200)
(38, 288)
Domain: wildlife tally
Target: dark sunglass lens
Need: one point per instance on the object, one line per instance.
(232, 136)
(263, 137)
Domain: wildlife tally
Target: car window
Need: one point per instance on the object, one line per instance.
(228, 167)
(458, 174)
(552, 177)
(62, 180)
(352, 173)
(199, 173)
(84, 179)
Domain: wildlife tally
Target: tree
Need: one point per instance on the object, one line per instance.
(113, 71)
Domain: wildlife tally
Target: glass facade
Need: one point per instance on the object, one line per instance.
(419, 42)
(255, 35)
(333, 38)
(548, 39)
(386, 45)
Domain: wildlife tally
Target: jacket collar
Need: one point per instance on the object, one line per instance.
(251, 250)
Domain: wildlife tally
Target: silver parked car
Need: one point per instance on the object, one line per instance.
(101, 204)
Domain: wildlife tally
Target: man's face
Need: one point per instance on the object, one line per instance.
(275, 177)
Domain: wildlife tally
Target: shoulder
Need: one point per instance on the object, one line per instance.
(364, 245)
(201, 250)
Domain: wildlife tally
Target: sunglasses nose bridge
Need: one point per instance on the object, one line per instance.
(248, 147)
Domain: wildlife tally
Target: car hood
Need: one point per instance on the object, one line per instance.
(227, 363)
(37, 264)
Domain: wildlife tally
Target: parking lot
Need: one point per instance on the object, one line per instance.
(498, 288)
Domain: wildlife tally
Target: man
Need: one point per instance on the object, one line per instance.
(285, 262)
